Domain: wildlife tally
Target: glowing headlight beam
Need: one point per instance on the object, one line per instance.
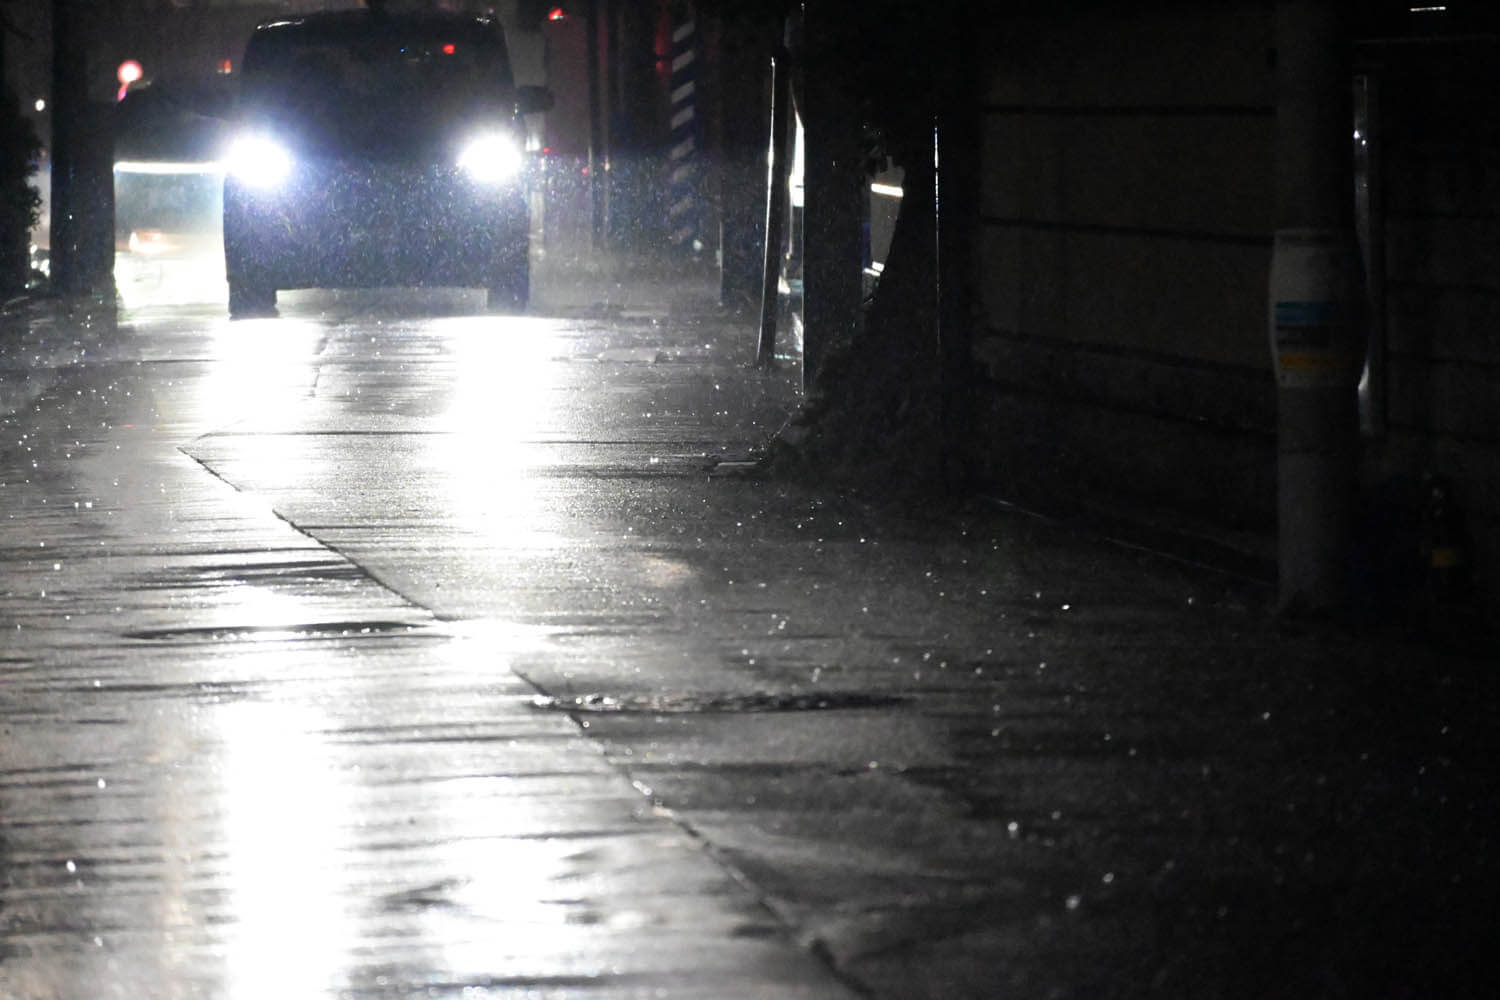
(168, 168)
(491, 159)
(258, 161)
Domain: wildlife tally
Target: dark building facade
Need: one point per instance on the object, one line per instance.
(1122, 354)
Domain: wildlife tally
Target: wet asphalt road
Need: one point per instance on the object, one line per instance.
(388, 649)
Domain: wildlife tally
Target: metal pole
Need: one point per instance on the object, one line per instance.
(776, 199)
(596, 128)
(69, 106)
(1315, 307)
(833, 185)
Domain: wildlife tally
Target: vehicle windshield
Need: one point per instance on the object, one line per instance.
(376, 82)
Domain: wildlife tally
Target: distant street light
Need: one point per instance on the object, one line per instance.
(129, 72)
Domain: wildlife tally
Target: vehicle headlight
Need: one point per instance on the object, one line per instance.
(258, 161)
(491, 159)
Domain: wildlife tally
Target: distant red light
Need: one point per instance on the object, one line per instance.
(557, 14)
(129, 72)
(449, 49)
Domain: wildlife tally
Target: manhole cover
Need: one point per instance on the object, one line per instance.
(760, 701)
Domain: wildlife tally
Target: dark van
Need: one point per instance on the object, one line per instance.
(373, 149)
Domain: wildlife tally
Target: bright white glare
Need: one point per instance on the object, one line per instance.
(166, 168)
(506, 381)
(275, 616)
(261, 368)
(888, 190)
(258, 161)
(40, 105)
(505, 912)
(284, 812)
(503, 404)
(491, 158)
(156, 274)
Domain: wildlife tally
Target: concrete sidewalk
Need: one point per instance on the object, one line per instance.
(338, 687)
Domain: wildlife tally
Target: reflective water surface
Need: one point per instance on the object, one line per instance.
(235, 761)
(387, 648)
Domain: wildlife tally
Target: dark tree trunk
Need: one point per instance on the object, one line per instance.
(875, 411)
(873, 414)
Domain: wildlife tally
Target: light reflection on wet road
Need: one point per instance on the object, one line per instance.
(385, 648)
(235, 764)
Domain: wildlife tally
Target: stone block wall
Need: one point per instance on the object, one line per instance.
(1127, 215)
(1437, 206)
(1126, 234)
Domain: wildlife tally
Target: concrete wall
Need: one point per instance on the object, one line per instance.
(1436, 203)
(1127, 219)
(1127, 202)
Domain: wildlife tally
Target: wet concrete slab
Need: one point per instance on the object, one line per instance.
(235, 764)
(420, 653)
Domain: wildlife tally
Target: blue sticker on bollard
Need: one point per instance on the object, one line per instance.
(1307, 324)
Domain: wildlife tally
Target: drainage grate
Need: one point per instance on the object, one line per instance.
(758, 701)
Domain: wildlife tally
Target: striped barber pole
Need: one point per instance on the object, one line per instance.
(684, 200)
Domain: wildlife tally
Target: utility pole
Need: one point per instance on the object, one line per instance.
(597, 156)
(1317, 333)
(69, 110)
(776, 206)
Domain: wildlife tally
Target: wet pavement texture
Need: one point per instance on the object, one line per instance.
(386, 648)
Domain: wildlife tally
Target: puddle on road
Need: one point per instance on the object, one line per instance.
(287, 632)
(289, 572)
(757, 701)
(632, 355)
